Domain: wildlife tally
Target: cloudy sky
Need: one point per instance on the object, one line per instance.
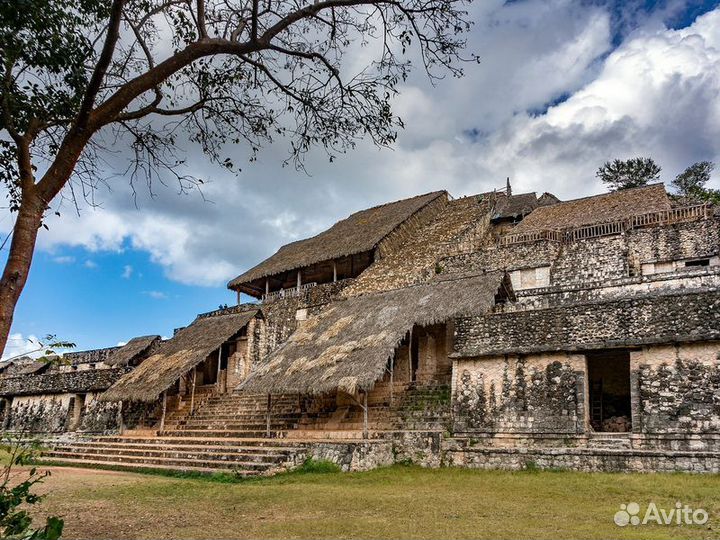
(562, 87)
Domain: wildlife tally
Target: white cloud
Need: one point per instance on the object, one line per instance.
(64, 259)
(156, 295)
(658, 95)
(127, 271)
(19, 345)
(89, 263)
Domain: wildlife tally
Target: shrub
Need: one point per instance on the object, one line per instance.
(15, 491)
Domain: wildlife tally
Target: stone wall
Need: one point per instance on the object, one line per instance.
(99, 416)
(687, 280)
(39, 414)
(534, 394)
(680, 241)
(462, 453)
(678, 389)
(58, 413)
(541, 401)
(636, 321)
(53, 382)
(596, 260)
(590, 261)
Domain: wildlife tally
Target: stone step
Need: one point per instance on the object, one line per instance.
(225, 411)
(181, 445)
(233, 426)
(237, 434)
(205, 441)
(205, 466)
(609, 440)
(251, 417)
(241, 460)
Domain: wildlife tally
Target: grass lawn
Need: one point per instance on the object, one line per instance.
(396, 502)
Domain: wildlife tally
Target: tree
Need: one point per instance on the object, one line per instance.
(47, 346)
(691, 182)
(80, 76)
(631, 173)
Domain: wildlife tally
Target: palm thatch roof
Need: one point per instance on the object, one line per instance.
(513, 206)
(176, 356)
(132, 351)
(360, 232)
(348, 345)
(603, 208)
(24, 365)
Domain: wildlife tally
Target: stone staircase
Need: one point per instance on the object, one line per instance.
(609, 440)
(228, 433)
(225, 433)
(236, 415)
(243, 457)
(413, 408)
(426, 408)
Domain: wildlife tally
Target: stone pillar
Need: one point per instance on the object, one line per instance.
(635, 402)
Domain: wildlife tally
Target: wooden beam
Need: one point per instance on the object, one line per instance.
(334, 271)
(299, 280)
(267, 416)
(120, 420)
(164, 410)
(217, 377)
(392, 381)
(410, 355)
(365, 415)
(192, 392)
(267, 286)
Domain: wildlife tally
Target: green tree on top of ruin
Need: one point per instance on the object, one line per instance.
(692, 181)
(81, 76)
(630, 173)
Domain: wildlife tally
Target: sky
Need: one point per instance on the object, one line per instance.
(562, 87)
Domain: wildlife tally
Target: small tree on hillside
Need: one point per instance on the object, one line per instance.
(691, 182)
(630, 173)
(82, 76)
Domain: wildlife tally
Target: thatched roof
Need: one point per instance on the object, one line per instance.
(132, 351)
(348, 345)
(360, 232)
(607, 207)
(513, 206)
(24, 365)
(176, 356)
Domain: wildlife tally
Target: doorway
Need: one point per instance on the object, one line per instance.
(609, 391)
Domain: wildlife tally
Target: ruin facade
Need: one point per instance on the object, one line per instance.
(491, 331)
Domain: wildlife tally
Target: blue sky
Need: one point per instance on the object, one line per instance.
(562, 86)
(98, 299)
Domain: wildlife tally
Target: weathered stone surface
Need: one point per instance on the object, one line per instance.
(54, 382)
(538, 394)
(636, 321)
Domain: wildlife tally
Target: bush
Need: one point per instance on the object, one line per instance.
(16, 491)
(317, 466)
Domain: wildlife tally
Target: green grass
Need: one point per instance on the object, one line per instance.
(395, 502)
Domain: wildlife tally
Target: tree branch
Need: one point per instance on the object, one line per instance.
(113, 31)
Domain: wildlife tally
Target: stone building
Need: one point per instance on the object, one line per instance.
(498, 330)
(61, 394)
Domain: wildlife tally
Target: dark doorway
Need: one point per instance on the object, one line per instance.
(609, 389)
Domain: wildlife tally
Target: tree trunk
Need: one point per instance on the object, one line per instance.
(17, 267)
